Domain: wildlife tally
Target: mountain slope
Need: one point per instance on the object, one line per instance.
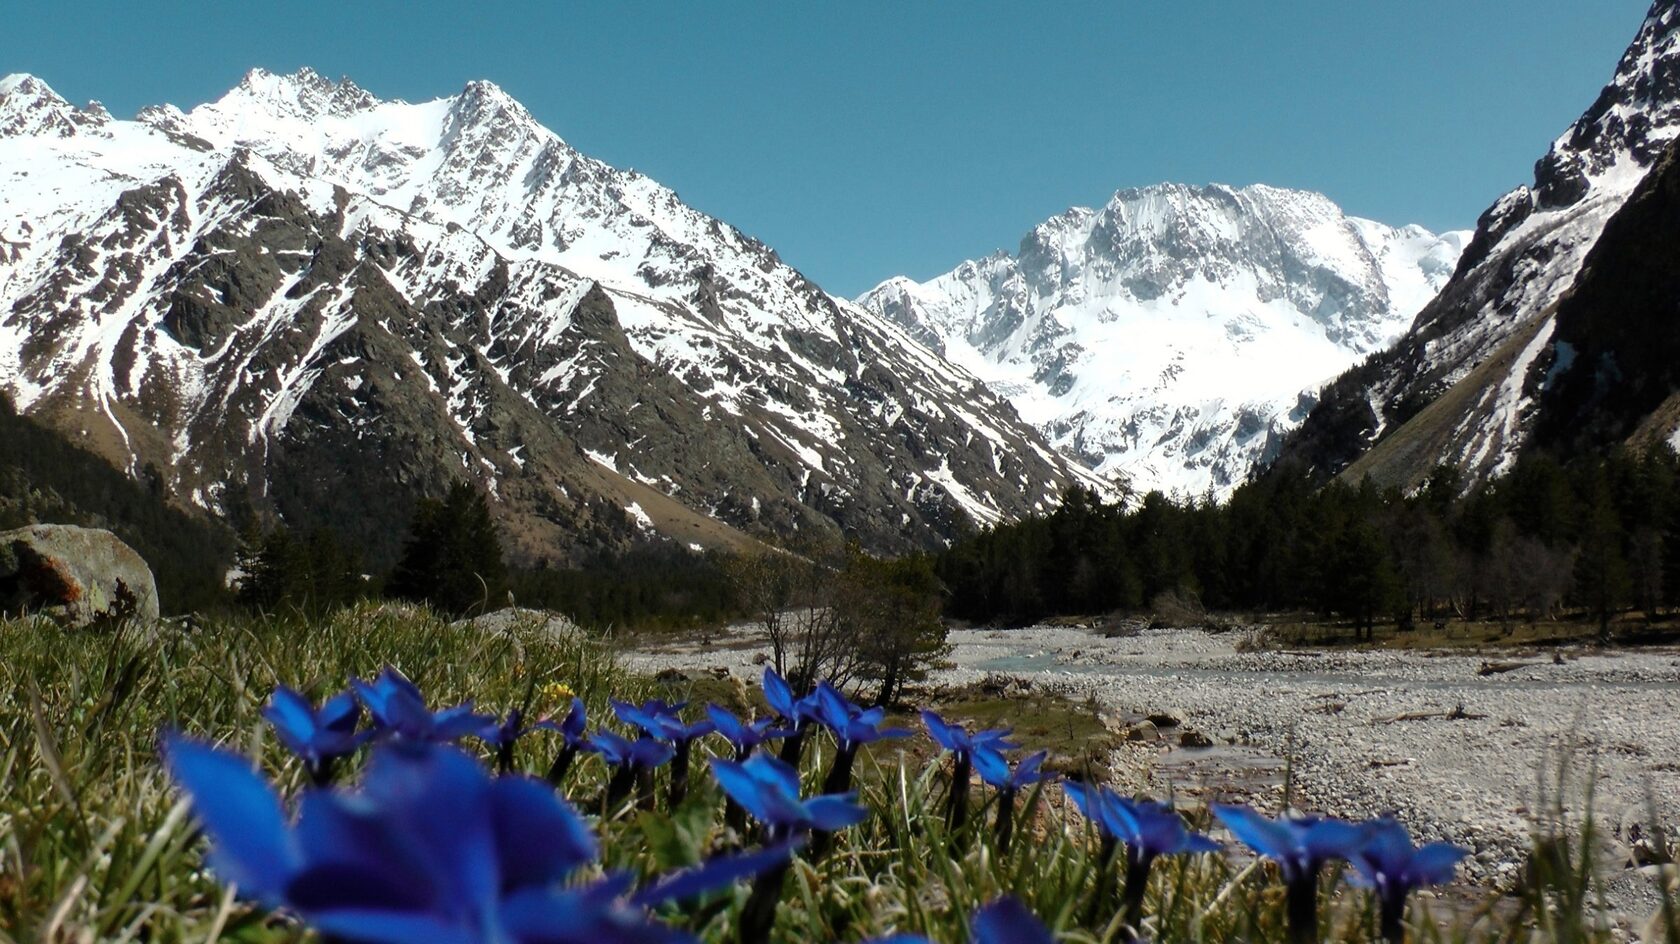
(44, 478)
(1462, 385)
(337, 303)
(1173, 335)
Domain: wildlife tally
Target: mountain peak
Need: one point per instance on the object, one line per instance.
(303, 94)
(418, 289)
(29, 106)
(1168, 336)
(1465, 384)
(1624, 131)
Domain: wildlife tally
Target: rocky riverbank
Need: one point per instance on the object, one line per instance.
(1461, 747)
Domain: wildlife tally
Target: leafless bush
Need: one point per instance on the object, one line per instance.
(1175, 609)
(793, 599)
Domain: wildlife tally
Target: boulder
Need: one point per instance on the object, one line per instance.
(1190, 737)
(1143, 731)
(78, 574)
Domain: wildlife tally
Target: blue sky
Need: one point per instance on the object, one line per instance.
(865, 139)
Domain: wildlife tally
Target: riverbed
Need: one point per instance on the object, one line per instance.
(1457, 751)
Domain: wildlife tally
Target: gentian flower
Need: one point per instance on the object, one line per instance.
(663, 722)
(1394, 868)
(1007, 921)
(430, 849)
(399, 709)
(501, 736)
(574, 739)
(792, 714)
(1300, 845)
(634, 761)
(780, 698)
(769, 789)
(852, 727)
(956, 739)
(744, 738)
(1147, 829)
(994, 769)
(319, 737)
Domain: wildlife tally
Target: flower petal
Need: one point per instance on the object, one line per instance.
(1264, 836)
(1007, 921)
(539, 838)
(779, 696)
(714, 874)
(832, 813)
(1435, 863)
(251, 845)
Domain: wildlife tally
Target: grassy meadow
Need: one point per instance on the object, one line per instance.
(95, 843)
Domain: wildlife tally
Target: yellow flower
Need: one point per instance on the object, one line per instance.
(558, 692)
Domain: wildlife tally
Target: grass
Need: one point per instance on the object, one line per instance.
(95, 845)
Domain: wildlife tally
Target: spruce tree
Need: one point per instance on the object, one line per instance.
(453, 556)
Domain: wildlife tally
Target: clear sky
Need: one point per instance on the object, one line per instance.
(868, 139)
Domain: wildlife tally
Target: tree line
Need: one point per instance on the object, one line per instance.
(1597, 536)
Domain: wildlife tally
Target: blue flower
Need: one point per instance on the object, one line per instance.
(794, 715)
(956, 739)
(250, 844)
(779, 697)
(1007, 921)
(1300, 845)
(574, 739)
(317, 736)
(634, 762)
(851, 725)
(769, 789)
(1394, 868)
(619, 751)
(742, 736)
(653, 717)
(399, 709)
(664, 722)
(431, 849)
(1147, 829)
(994, 769)
(961, 744)
(572, 727)
(502, 737)
(852, 728)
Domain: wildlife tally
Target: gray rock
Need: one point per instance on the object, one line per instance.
(1143, 731)
(79, 574)
(1190, 737)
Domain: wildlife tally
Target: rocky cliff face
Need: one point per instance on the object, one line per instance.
(1611, 371)
(1175, 334)
(335, 304)
(1461, 386)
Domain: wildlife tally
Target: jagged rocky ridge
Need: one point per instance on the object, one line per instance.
(332, 304)
(1175, 334)
(1466, 384)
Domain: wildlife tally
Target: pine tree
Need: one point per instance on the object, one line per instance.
(453, 556)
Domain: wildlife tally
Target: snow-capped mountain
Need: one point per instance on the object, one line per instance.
(331, 304)
(1464, 385)
(1173, 335)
